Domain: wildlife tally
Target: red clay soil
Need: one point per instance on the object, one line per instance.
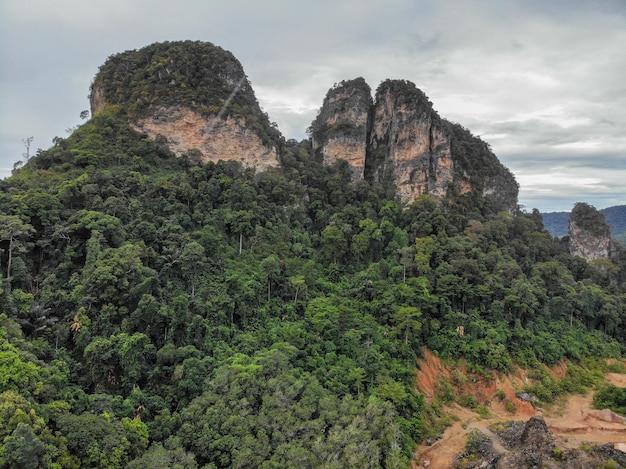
(572, 423)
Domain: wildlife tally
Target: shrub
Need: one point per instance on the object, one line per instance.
(483, 411)
(475, 439)
(469, 401)
(611, 397)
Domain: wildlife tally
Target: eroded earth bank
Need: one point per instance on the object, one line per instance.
(508, 432)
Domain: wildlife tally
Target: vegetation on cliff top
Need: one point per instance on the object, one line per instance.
(193, 74)
(588, 219)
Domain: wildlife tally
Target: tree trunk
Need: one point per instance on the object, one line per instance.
(9, 264)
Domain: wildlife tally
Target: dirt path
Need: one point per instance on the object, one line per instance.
(572, 424)
(579, 422)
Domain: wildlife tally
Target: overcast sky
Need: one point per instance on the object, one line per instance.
(542, 81)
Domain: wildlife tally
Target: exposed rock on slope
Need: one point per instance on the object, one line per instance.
(400, 139)
(195, 97)
(532, 445)
(215, 138)
(589, 233)
(340, 130)
(408, 140)
(193, 94)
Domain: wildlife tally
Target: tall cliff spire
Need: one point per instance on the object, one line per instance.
(399, 139)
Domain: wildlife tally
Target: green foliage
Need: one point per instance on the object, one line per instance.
(18, 371)
(475, 439)
(261, 411)
(611, 464)
(476, 159)
(98, 440)
(579, 378)
(445, 392)
(483, 411)
(22, 449)
(610, 397)
(509, 406)
(162, 314)
(468, 400)
(589, 219)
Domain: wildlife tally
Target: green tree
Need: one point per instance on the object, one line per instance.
(22, 449)
(99, 441)
(15, 231)
(270, 266)
(424, 249)
(240, 222)
(193, 262)
(406, 319)
(334, 243)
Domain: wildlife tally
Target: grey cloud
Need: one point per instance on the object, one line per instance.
(495, 66)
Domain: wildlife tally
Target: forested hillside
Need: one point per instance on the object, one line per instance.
(159, 312)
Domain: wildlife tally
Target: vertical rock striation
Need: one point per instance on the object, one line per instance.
(340, 130)
(408, 143)
(399, 139)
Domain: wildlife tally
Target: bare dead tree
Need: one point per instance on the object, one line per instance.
(27, 141)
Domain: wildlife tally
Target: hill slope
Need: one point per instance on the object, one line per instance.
(171, 308)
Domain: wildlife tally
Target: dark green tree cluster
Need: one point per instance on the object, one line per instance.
(159, 312)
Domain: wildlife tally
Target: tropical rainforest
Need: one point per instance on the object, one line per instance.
(158, 311)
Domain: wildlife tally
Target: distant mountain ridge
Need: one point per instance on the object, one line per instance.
(557, 222)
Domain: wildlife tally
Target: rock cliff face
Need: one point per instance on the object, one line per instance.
(408, 140)
(589, 233)
(215, 138)
(194, 95)
(340, 130)
(400, 139)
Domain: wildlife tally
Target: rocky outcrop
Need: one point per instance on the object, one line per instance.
(340, 130)
(589, 233)
(97, 99)
(526, 445)
(211, 137)
(408, 141)
(399, 139)
(195, 96)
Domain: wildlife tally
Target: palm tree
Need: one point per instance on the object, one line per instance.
(37, 320)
